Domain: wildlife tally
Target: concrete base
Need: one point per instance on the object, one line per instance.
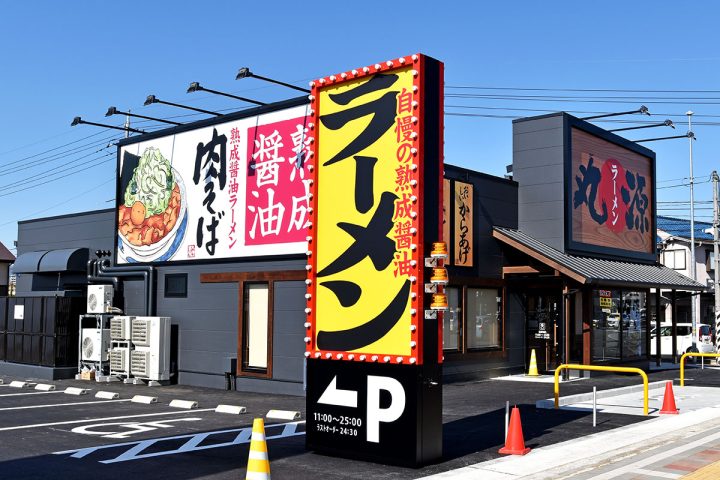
(36, 371)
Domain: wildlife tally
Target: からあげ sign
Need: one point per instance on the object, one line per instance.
(366, 278)
(463, 238)
(611, 195)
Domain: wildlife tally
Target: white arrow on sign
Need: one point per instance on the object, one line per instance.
(342, 398)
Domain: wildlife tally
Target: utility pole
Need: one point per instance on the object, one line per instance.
(127, 125)
(716, 267)
(693, 268)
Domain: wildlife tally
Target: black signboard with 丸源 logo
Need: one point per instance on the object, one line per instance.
(610, 206)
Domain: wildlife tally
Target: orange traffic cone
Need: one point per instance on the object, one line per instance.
(258, 467)
(669, 400)
(515, 443)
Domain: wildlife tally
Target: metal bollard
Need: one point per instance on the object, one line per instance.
(507, 417)
(594, 406)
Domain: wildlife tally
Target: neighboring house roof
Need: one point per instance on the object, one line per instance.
(680, 227)
(595, 270)
(5, 254)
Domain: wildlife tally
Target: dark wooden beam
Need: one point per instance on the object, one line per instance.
(519, 270)
(539, 257)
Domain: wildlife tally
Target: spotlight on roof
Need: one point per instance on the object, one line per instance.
(245, 72)
(196, 87)
(153, 99)
(78, 121)
(114, 111)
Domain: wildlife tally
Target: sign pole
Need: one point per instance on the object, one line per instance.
(693, 267)
(716, 267)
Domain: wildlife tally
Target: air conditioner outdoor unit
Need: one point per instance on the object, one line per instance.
(140, 363)
(94, 347)
(151, 357)
(120, 360)
(99, 298)
(120, 327)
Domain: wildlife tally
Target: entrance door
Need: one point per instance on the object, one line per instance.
(544, 329)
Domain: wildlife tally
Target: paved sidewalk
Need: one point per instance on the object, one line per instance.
(629, 452)
(709, 472)
(564, 441)
(667, 446)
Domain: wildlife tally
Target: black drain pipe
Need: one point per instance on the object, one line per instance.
(147, 273)
(94, 277)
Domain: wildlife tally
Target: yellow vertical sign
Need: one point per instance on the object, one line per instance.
(365, 265)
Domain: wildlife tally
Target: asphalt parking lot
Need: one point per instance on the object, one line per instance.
(57, 435)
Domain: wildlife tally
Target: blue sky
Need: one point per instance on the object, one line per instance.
(63, 59)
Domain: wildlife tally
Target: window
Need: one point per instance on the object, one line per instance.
(452, 320)
(256, 295)
(484, 318)
(674, 259)
(473, 320)
(176, 285)
(710, 261)
(683, 331)
(619, 325)
(256, 327)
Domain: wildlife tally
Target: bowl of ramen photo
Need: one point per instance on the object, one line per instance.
(153, 210)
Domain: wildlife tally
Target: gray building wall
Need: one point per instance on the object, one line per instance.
(538, 167)
(495, 203)
(207, 323)
(4, 278)
(93, 230)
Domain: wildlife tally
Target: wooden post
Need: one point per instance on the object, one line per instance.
(587, 309)
(568, 334)
(658, 355)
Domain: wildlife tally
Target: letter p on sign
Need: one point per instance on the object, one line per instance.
(375, 414)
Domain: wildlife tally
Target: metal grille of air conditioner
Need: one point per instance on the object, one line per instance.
(139, 362)
(118, 329)
(141, 332)
(117, 360)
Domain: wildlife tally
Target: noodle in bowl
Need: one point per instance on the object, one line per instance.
(141, 246)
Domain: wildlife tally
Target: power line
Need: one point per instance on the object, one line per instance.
(629, 100)
(682, 184)
(611, 90)
(58, 147)
(30, 215)
(55, 179)
(47, 173)
(7, 169)
(582, 112)
(46, 139)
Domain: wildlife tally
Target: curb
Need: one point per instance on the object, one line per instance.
(587, 397)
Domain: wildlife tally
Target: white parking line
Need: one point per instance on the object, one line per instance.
(29, 393)
(195, 442)
(61, 404)
(70, 422)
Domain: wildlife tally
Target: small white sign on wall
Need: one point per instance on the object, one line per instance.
(19, 312)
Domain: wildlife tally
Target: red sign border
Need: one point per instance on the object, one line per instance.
(417, 61)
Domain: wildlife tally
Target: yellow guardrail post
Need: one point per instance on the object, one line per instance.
(601, 368)
(694, 354)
